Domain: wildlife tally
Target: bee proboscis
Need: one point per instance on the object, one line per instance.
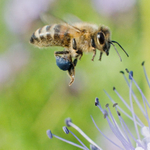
(76, 39)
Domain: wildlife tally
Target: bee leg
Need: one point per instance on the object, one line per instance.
(100, 57)
(65, 63)
(61, 53)
(93, 43)
(71, 73)
(94, 48)
(75, 62)
(94, 54)
(66, 55)
(79, 54)
(74, 44)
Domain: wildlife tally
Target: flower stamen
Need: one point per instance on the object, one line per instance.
(70, 124)
(50, 135)
(67, 131)
(105, 135)
(145, 74)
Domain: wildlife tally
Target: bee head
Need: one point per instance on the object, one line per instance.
(103, 38)
(104, 42)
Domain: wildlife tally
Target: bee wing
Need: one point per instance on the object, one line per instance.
(71, 19)
(51, 19)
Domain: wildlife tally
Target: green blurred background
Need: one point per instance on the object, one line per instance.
(34, 92)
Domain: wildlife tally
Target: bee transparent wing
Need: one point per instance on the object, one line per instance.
(51, 19)
(71, 19)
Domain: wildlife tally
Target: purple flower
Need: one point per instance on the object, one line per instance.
(122, 131)
(12, 61)
(110, 7)
(19, 14)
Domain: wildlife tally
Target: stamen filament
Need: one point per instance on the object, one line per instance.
(147, 117)
(143, 96)
(124, 143)
(145, 74)
(76, 138)
(126, 135)
(64, 140)
(132, 110)
(118, 130)
(139, 123)
(137, 141)
(129, 131)
(83, 134)
(104, 134)
(125, 79)
(135, 98)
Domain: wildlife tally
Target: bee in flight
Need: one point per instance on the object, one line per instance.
(76, 39)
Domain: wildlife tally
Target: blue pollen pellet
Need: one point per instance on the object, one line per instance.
(63, 63)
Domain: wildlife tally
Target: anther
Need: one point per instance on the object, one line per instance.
(96, 101)
(93, 147)
(105, 114)
(65, 129)
(143, 63)
(114, 105)
(130, 75)
(49, 134)
(122, 72)
(127, 70)
(67, 121)
(119, 114)
(107, 105)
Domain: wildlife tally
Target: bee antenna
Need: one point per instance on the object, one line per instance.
(120, 47)
(116, 50)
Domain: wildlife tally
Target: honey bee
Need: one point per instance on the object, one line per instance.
(76, 39)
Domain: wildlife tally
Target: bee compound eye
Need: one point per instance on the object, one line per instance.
(101, 38)
(63, 63)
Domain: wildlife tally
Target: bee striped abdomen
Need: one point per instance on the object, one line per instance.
(55, 35)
